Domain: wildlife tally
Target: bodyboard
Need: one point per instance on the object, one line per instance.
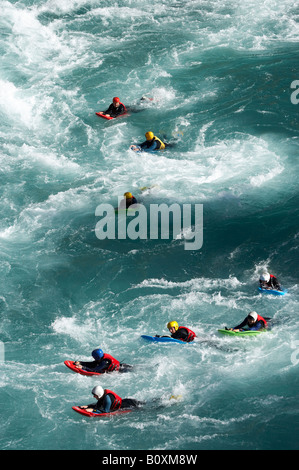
(74, 368)
(91, 414)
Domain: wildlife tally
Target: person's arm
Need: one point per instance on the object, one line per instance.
(104, 406)
(108, 111)
(89, 366)
(94, 366)
(238, 327)
(90, 407)
(102, 366)
(99, 407)
(151, 148)
(143, 145)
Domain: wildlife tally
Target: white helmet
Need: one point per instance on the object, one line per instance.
(265, 277)
(253, 315)
(98, 390)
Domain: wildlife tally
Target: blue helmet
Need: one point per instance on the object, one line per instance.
(97, 354)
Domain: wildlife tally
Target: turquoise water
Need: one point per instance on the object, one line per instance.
(220, 73)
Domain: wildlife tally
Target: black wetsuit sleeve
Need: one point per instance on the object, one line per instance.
(88, 365)
(103, 405)
(244, 323)
(102, 366)
(92, 405)
(96, 366)
(109, 110)
(144, 144)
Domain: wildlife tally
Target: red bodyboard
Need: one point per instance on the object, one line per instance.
(90, 414)
(109, 117)
(71, 365)
(104, 117)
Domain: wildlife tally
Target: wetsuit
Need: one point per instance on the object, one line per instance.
(184, 334)
(152, 145)
(104, 365)
(114, 111)
(272, 284)
(129, 202)
(258, 325)
(112, 402)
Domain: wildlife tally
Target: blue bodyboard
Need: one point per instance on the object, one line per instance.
(162, 339)
(272, 291)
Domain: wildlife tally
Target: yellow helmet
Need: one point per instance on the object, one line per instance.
(149, 135)
(128, 195)
(173, 324)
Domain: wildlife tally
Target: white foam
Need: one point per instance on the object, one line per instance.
(259, 180)
(192, 284)
(14, 102)
(83, 332)
(251, 25)
(41, 215)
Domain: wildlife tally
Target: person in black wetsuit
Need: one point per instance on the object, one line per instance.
(109, 401)
(180, 332)
(268, 281)
(115, 109)
(253, 322)
(103, 363)
(128, 201)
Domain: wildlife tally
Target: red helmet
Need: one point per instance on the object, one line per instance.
(116, 100)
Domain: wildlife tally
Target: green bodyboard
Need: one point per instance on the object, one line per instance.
(241, 333)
